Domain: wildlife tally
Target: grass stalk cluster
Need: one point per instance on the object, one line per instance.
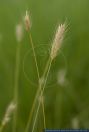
(42, 80)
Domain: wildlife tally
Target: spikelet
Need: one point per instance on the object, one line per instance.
(9, 111)
(57, 41)
(27, 21)
(19, 32)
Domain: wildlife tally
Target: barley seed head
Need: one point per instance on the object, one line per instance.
(57, 40)
(10, 109)
(19, 32)
(27, 21)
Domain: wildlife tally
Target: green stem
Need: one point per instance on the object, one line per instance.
(42, 90)
(16, 86)
(43, 109)
(34, 54)
(35, 59)
(39, 89)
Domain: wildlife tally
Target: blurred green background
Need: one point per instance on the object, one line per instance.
(67, 90)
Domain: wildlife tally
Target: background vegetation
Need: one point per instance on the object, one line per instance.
(66, 101)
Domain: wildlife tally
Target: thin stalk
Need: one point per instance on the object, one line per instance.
(48, 70)
(16, 85)
(34, 54)
(39, 89)
(36, 97)
(31, 113)
(35, 59)
(42, 90)
(43, 109)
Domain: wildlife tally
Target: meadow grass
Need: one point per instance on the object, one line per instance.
(42, 80)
